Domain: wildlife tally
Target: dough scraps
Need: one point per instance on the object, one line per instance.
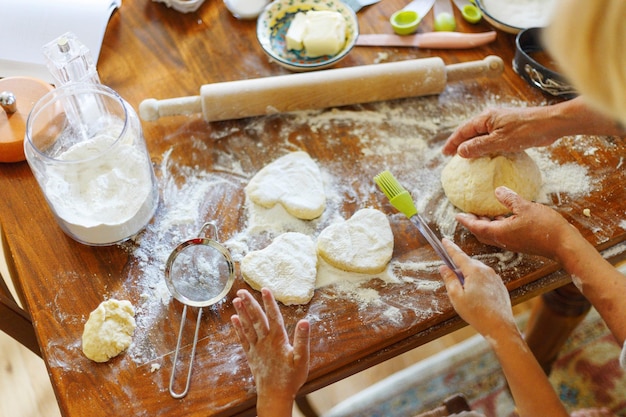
(294, 181)
(363, 243)
(288, 267)
(470, 184)
(109, 330)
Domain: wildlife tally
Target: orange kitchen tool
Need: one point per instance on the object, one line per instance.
(18, 95)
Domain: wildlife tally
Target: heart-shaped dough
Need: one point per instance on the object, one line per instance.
(288, 267)
(294, 181)
(363, 243)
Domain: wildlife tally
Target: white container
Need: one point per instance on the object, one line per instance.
(85, 146)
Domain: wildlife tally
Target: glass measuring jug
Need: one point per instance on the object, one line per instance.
(85, 146)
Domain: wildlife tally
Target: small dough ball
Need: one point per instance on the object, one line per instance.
(109, 330)
(470, 184)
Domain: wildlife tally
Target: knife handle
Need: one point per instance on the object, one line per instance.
(454, 40)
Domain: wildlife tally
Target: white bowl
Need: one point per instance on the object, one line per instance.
(245, 9)
(513, 16)
(273, 23)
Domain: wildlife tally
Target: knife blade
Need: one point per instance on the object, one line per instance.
(432, 40)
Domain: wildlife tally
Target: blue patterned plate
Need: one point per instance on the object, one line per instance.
(274, 21)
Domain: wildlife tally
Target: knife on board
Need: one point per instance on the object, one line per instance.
(430, 40)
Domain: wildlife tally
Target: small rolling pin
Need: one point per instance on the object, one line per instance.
(321, 89)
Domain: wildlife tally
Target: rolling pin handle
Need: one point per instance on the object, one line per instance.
(152, 109)
(491, 66)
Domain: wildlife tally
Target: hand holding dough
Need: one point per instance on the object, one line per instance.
(470, 184)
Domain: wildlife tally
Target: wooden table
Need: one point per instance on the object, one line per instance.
(152, 51)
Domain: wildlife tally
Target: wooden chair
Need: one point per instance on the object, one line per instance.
(14, 320)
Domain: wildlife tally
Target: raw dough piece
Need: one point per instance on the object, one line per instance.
(363, 243)
(109, 330)
(470, 184)
(288, 267)
(294, 181)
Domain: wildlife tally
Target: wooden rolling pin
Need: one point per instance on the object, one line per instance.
(321, 89)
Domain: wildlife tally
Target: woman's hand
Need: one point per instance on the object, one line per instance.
(532, 228)
(502, 130)
(505, 130)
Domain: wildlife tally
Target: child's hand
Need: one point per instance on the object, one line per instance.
(483, 301)
(279, 368)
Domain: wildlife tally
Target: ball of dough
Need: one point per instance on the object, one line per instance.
(470, 184)
(109, 330)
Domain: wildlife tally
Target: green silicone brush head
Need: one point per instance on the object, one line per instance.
(397, 195)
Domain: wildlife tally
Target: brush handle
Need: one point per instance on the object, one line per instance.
(434, 241)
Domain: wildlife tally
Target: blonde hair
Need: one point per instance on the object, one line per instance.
(588, 40)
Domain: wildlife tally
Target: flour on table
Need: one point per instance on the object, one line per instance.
(294, 181)
(413, 143)
(288, 267)
(109, 330)
(363, 243)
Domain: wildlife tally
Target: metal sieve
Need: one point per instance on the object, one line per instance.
(198, 273)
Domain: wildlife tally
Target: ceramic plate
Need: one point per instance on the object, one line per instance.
(274, 22)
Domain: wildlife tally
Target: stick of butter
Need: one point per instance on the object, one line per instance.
(325, 34)
(296, 30)
(320, 33)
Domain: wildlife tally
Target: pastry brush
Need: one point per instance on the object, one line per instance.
(401, 200)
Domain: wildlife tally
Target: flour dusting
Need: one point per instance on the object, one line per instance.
(414, 133)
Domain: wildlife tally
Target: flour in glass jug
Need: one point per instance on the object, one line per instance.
(85, 146)
(103, 199)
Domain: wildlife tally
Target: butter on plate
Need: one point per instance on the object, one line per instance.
(318, 32)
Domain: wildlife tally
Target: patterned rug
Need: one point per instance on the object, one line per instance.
(586, 374)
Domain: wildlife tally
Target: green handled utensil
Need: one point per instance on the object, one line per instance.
(401, 200)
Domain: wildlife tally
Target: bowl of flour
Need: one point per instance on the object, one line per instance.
(513, 16)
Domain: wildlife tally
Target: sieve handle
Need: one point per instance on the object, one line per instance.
(193, 354)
